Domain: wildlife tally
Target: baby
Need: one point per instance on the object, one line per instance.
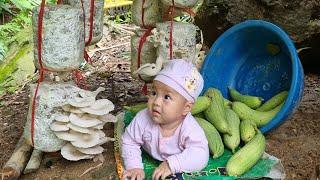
(166, 129)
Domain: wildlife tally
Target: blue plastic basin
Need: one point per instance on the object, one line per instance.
(240, 59)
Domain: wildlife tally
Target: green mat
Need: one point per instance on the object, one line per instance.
(267, 166)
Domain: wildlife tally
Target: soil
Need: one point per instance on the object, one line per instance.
(295, 142)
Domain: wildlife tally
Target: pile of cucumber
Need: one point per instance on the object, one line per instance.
(227, 123)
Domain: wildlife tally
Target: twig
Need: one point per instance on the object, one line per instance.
(110, 47)
(113, 25)
(91, 168)
(27, 81)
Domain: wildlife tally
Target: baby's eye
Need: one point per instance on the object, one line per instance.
(153, 93)
(167, 97)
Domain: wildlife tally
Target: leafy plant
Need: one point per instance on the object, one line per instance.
(4, 6)
(123, 18)
(24, 4)
(21, 12)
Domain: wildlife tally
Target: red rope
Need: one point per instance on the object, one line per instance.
(33, 108)
(141, 42)
(80, 79)
(86, 56)
(91, 22)
(142, 13)
(187, 10)
(171, 30)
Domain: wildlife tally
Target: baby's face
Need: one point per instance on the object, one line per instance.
(166, 105)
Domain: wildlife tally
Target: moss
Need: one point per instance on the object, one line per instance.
(10, 65)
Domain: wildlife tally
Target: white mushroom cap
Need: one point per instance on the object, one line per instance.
(67, 136)
(108, 118)
(100, 107)
(81, 102)
(86, 140)
(100, 133)
(85, 94)
(61, 117)
(105, 139)
(58, 126)
(92, 150)
(84, 120)
(69, 108)
(100, 126)
(71, 153)
(80, 129)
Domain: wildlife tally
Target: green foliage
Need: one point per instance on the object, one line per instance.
(4, 6)
(23, 4)
(21, 19)
(123, 18)
(10, 29)
(183, 18)
(14, 70)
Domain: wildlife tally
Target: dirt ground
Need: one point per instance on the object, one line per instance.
(295, 142)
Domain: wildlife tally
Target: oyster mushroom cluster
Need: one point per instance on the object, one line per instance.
(80, 123)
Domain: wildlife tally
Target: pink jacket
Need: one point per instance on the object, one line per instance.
(185, 151)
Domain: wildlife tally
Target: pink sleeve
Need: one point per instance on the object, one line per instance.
(132, 141)
(195, 156)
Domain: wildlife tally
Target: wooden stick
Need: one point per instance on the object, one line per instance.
(18, 160)
(110, 47)
(90, 169)
(34, 162)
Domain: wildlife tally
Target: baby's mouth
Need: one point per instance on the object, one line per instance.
(155, 112)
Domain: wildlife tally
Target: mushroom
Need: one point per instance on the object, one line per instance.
(105, 139)
(86, 94)
(150, 69)
(100, 133)
(69, 108)
(100, 107)
(81, 102)
(67, 136)
(100, 126)
(92, 151)
(79, 129)
(108, 118)
(58, 126)
(84, 121)
(86, 140)
(71, 153)
(61, 117)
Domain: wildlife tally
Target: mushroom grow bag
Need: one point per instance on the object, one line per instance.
(268, 166)
(148, 54)
(146, 14)
(98, 12)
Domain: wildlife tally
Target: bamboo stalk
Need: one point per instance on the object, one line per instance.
(34, 162)
(18, 160)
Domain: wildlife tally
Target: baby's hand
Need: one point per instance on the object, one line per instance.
(162, 171)
(134, 174)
